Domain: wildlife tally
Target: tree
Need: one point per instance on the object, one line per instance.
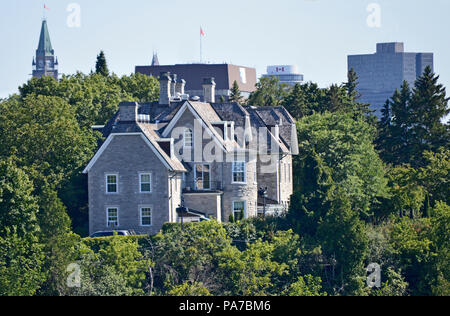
(18, 205)
(351, 85)
(269, 92)
(101, 66)
(344, 240)
(295, 102)
(345, 146)
(440, 235)
(45, 136)
(399, 142)
(384, 137)
(434, 177)
(21, 256)
(189, 289)
(428, 106)
(235, 94)
(306, 286)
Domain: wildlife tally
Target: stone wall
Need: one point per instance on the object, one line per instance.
(128, 156)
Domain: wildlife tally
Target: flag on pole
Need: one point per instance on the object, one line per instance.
(45, 7)
(202, 33)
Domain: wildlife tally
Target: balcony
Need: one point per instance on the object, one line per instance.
(201, 186)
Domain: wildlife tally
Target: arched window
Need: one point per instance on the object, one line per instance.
(188, 138)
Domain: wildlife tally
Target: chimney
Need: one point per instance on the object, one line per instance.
(173, 85)
(180, 87)
(128, 112)
(165, 88)
(276, 132)
(209, 90)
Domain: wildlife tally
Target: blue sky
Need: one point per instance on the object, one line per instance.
(316, 35)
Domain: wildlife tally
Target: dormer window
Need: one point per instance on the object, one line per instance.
(188, 138)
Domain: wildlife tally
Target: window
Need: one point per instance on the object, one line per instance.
(202, 177)
(112, 217)
(145, 182)
(111, 183)
(146, 216)
(239, 172)
(188, 138)
(239, 210)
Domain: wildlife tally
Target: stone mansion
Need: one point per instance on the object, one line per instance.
(180, 159)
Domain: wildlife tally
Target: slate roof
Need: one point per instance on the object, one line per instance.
(259, 117)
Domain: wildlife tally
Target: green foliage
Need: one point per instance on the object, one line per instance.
(45, 136)
(413, 122)
(347, 156)
(306, 286)
(344, 240)
(124, 256)
(18, 205)
(21, 260)
(440, 235)
(189, 289)
(269, 92)
(235, 94)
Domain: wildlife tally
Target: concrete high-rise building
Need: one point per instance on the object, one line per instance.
(287, 74)
(45, 64)
(381, 73)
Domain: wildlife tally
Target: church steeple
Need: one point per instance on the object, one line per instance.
(155, 61)
(45, 64)
(45, 45)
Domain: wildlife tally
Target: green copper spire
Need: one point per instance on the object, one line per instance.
(45, 45)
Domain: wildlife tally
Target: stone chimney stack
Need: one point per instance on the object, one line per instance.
(128, 112)
(209, 90)
(165, 82)
(181, 84)
(173, 85)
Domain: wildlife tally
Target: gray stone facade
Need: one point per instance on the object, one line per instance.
(124, 157)
(214, 174)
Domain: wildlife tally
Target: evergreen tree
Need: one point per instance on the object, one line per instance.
(235, 95)
(295, 102)
(429, 105)
(400, 128)
(383, 140)
(351, 85)
(101, 67)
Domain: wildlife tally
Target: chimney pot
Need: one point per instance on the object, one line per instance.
(209, 90)
(165, 82)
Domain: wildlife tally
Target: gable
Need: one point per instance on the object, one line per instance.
(115, 141)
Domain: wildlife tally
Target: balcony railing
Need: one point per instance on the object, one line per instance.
(203, 186)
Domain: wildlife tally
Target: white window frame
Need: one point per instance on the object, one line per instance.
(245, 208)
(233, 172)
(185, 144)
(117, 183)
(107, 216)
(203, 175)
(141, 183)
(141, 208)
